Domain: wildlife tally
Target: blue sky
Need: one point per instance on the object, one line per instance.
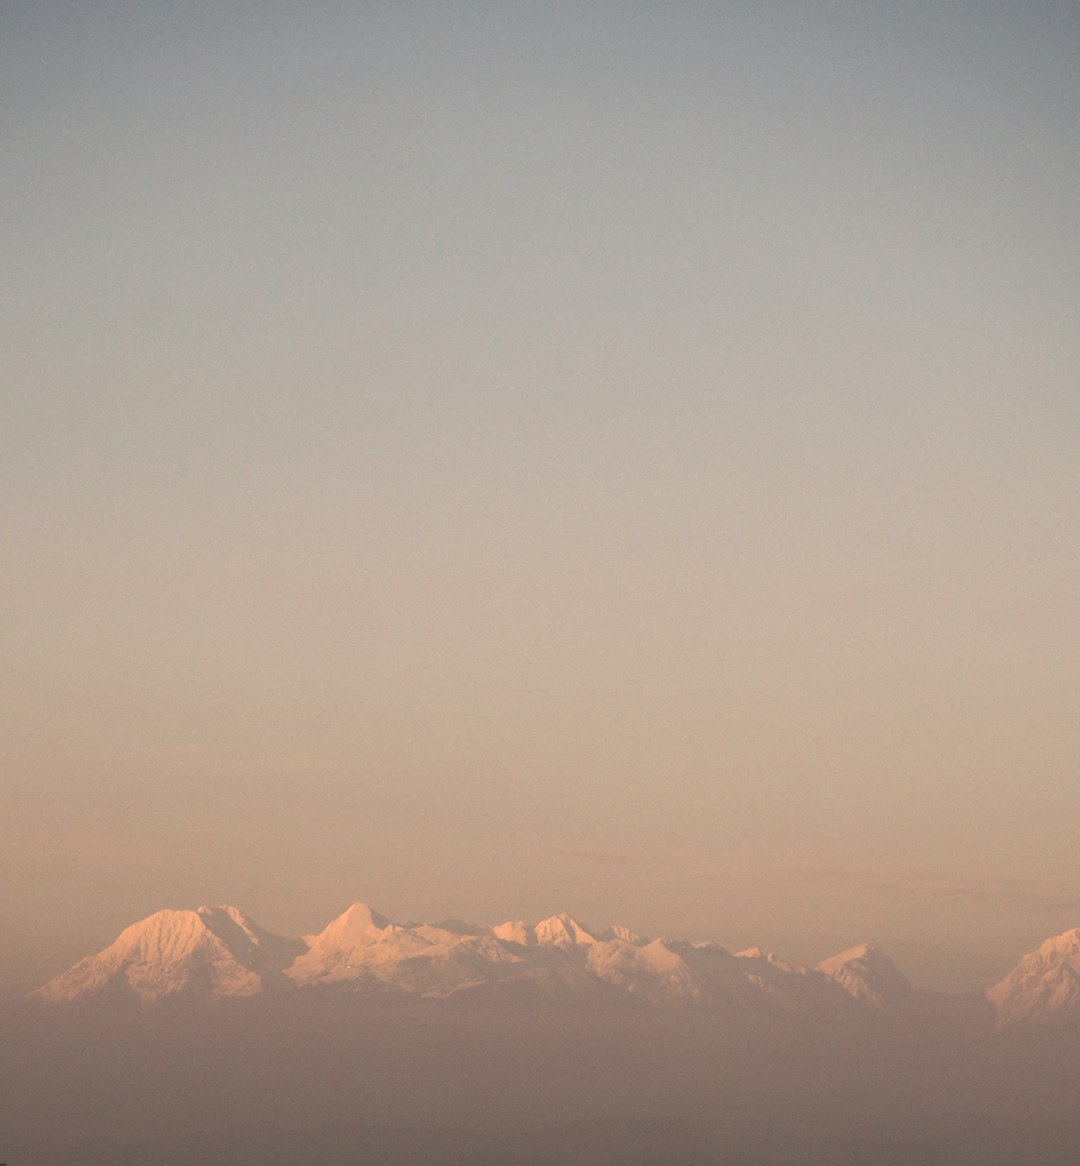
(492, 459)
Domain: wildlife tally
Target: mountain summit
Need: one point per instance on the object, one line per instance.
(210, 951)
(1043, 987)
(868, 975)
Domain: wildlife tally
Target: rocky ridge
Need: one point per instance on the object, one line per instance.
(219, 952)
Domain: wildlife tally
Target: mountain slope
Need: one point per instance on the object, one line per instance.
(211, 951)
(363, 950)
(1044, 986)
(870, 976)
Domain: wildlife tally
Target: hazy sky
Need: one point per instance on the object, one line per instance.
(488, 459)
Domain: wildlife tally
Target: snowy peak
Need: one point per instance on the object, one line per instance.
(214, 951)
(623, 935)
(517, 932)
(1065, 946)
(560, 930)
(1043, 987)
(868, 975)
(656, 972)
(356, 925)
(364, 951)
(350, 946)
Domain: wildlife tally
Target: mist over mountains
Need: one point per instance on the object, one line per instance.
(220, 952)
(197, 1035)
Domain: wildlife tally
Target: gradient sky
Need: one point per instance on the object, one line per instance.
(488, 459)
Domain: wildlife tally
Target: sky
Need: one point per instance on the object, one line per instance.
(488, 459)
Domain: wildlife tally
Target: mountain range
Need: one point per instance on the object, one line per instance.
(220, 952)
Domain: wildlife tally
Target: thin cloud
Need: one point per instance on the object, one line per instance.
(890, 880)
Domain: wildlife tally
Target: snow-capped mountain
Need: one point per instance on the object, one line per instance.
(219, 951)
(1043, 987)
(211, 951)
(559, 931)
(362, 949)
(215, 952)
(868, 975)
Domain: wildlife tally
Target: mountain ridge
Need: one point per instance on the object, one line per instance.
(220, 952)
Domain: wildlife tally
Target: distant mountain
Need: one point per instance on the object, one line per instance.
(214, 952)
(870, 976)
(1044, 986)
(211, 951)
(363, 950)
(220, 952)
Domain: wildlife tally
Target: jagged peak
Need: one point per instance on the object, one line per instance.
(867, 974)
(1043, 987)
(1065, 944)
(234, 913)
(223, 915)
(196, 919)
(617, 933)
(514, 931)
(562, 930)
(167, 916)
(176, 927)
(359, 910)
(458, 926)
(358, 918)
(860, 953)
